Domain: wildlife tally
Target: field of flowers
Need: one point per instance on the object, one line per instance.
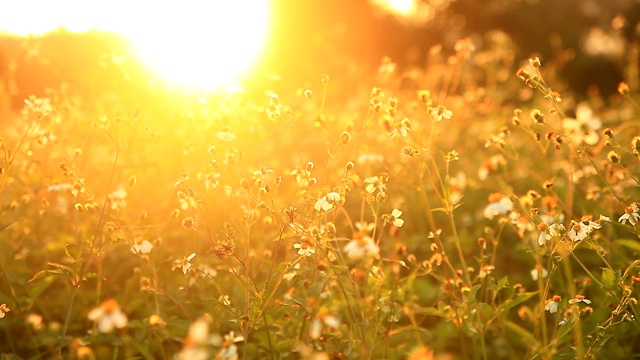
(471, 208)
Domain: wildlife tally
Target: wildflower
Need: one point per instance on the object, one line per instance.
(499, 205)
(4, 309)
(155, 319)
(387, 67)
(635, 145)
(141, 247)
(304, 249)
(195, 343)
(579, 230)
(308, 94)
(452, 156)
(188, 222)
(580, 298)
(539, 271)
(537, 116)
(583, 127)
(547, 232)
(365, 227)
(360, 247)
(34, 321)
(275, 108)
(315, 328)
(491, 166)
(345, 137)
(631, 215)
(40, 107)
(623, 88)
(374, 183)
(108, 316)
(327, 202)
(535, 62)
(222, 248)
(441, 113)
(485, 270)
(397, 222)
(551, 305)
(185, 263)
(604, 218)
(229, 350)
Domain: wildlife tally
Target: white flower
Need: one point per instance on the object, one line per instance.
(551, 305)
(580, 298)
(304, 249)
(198, 339)
(142, 247)
(397, 222)
(199, 332)
(360, 247)
(4, 309)
(109, 316)
(327, 202)
(184, 263)
(375, 183)
(583, 127)
(365, 227)
(315, 327)
(441, 113)
(537, 271)
(549, 232)
(499, 205)
(579, 230)
(432, 235)
(229, 350)
(631, 215)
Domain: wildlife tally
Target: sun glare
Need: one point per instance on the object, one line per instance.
(203, 44)
(402, 6)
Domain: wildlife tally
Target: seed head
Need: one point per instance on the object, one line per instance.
(613, 157)
(537, 116)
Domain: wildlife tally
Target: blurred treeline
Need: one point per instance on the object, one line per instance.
(310, 38)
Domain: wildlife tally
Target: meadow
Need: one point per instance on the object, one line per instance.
(474, 207)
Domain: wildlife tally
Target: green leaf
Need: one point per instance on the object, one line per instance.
(73, 251)
(285, 236)
(41, 286)
(43, 273)
(608, 278)
(62, 267)
(143, 349)
(89, 276)
(471, 295)
(429, 311)
(521, 333)
(631, 244)
(509, 304)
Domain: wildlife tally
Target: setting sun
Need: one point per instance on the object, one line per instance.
(207, 45)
